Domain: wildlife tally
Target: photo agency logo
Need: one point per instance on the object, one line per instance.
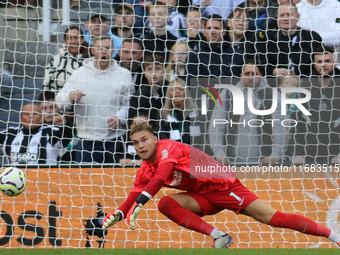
(238, 104)
(204, 97)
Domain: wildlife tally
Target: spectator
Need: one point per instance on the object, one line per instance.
(322, 16)
(215, 58)
(125, 22)
(194, 25)
(291, 81)
(243, 143)
(130, 56)
(219, 7)
(288, 51)
(238, 34)
(139, 10)
(177, 61)
(6, 82)
(32, 143)
(263, 14)
(126, 153)
(52, 116)
(176, 23)
(316, 138)
(96, 26)
(100, 91)
(159, 41)
(178, 109)
(70, 58)
(150, 98)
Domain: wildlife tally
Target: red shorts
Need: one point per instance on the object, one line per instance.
(236, 198)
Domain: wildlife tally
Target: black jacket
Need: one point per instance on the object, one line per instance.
(216, 60)
(246, 45)
(294, 52)
(143, 102)
(194, 42)
(138, 78)
(181, 125)
(317, 136)
(136, 33)
(158, 44)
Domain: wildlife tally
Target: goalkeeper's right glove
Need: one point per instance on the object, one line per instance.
(112, 218)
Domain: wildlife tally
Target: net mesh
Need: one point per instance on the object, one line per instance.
(63, 205)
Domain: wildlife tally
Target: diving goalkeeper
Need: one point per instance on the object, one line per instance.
(173, 164)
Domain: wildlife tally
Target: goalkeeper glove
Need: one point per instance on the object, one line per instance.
(132, 215)
(112, 218)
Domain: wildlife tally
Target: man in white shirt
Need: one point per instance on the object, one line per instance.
(100, 91)
(323, 17)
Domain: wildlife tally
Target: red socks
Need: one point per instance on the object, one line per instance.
(299, 223)
(183, 217)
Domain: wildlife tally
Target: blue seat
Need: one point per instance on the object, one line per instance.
(23, 92)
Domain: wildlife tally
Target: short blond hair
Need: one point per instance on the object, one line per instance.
(142, 127)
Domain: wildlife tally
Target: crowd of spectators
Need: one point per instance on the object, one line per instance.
(144, 69)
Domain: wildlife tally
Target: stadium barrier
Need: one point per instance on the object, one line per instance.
(57, 202)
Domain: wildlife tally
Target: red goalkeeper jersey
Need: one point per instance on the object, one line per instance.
(193, 170)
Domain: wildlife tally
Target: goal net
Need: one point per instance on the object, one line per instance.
(207, 74)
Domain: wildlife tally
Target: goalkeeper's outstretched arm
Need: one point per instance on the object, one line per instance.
(136, 200)
(119, 214)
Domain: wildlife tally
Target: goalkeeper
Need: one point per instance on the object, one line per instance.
(173, 164)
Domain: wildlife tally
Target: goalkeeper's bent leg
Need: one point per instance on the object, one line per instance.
(183, 217)
(303, 225)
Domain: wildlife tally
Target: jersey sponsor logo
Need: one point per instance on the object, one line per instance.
(23, 157)
(232, 194)
(165, 153)
(177, 178)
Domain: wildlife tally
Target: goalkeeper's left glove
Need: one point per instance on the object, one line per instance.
(136, 208)
(132, 215)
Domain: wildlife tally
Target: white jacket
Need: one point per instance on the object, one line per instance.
(323, 19)
(107, 94)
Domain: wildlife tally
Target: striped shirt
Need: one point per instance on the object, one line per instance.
(32, 147)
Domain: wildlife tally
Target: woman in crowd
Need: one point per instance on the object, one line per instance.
(70, 58)
(238, 34)
(177, 61)
(178, 109)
